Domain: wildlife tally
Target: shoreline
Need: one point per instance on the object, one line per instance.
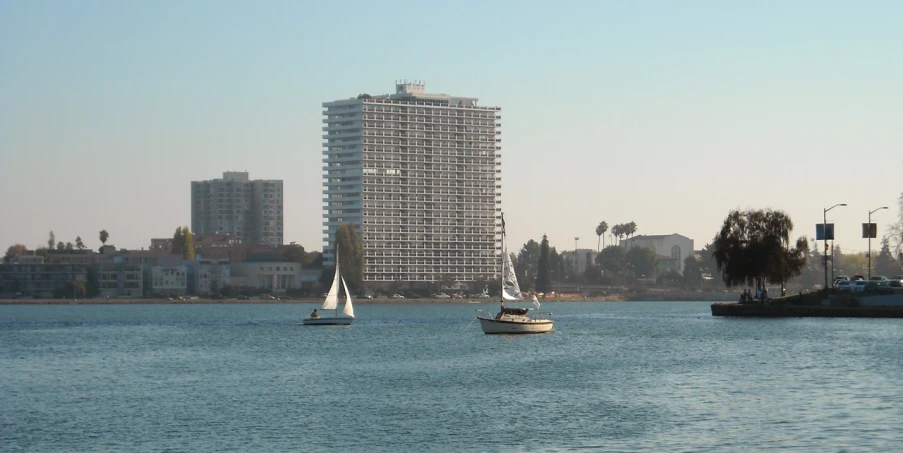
(382, 301)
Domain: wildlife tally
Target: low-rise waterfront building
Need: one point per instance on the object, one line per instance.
(167, 280)
(676, 246)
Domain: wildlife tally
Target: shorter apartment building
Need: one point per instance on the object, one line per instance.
(169, 280)
(212, 275)
(268, 276)
(116, 279)
(30, 277)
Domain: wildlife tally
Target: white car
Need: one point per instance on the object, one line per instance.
(858, 286)
(397, 296)
(843, 285)
(442, 296)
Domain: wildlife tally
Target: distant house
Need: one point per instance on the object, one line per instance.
(675, 246)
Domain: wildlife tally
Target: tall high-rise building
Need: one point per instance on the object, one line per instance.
(251, 210)
(418, 175)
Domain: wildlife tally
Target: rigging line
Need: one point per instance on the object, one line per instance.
(468, 325)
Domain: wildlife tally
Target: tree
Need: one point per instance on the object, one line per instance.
(188, 241)
(178, 242)
(753, 247)
(183, 243)
(600, 231)
(611, 260)
(641, 260)
(60, 246)
(13, 251)
(630, 229)
(79, 244)
(351, 256)
(543, 284)
(92, 283)
(884, 263)
(103, 237)
(70, 289)
(692, 272)
(51, 240)
(296, 253)
(326, 276)
(525, 265)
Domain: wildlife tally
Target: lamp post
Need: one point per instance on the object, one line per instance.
(824, 226)
(869, 234)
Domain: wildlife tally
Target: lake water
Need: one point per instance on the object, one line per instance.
(618, 377)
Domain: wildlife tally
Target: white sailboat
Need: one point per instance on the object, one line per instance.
(332, 303)
(513, 320)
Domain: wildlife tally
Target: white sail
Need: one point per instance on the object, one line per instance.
(332, 297)
(348, 310)
(510, 288)
(535, 302)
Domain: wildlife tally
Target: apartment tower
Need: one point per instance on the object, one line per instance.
(251, 210)
(418, 175)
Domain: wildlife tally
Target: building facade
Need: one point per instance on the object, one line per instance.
(418, 175)
(268, 276)
(170, 280)
(580, 259)
(249, 210)
(32, 278)
(212, 275)
(676, 246)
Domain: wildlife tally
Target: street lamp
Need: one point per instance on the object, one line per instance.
(824, 226)
(869, 234)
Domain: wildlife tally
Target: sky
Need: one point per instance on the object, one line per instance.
(667, 114)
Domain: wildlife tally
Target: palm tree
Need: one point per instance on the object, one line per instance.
(600, 230)
(103, 236)
(630, 229)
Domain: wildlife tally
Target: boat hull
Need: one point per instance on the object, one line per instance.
(526, 325)
(327, 321)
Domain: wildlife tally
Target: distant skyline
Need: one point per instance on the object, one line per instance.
(663, 113)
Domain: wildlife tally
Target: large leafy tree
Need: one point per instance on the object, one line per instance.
(351, 256)
(600, 231)
(753, 248)
(642, 261)
(296, 253)
(13, 250)
(104, 236)
(525, 265)
(79, 244)
(543, 283)
(611, 260)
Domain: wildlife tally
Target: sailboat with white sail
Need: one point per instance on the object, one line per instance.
(513, 320)
(332, 303)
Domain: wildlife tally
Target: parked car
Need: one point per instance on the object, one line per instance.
(442, 296)
(858, 286)
(397, 296)
(484, 296)
(840, 278)
(843, 285)
(243, 298)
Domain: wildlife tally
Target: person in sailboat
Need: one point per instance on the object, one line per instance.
(314, 315)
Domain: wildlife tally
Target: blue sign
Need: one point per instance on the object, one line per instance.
(824, 232)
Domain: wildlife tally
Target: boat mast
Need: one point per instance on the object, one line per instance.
(502, 274)
(337, 276)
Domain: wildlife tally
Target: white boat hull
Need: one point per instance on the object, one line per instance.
(515, 326)
(339, 321)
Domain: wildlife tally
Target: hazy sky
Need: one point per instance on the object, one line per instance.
(668, 114)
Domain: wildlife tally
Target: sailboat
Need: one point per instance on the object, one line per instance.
(332, 302)
(513, 320)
